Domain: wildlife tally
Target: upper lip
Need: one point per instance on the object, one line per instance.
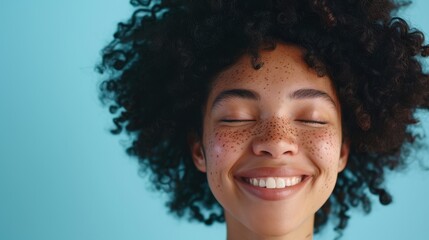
(272, 172)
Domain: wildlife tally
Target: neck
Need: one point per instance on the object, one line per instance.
(238, 231)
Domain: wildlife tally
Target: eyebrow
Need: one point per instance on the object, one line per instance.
(306, 93)
(235, 93)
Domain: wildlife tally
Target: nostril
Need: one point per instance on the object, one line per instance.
(265, 153)
(274, 148)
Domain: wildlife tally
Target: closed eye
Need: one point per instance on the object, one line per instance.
(236, 120)
(312, 122)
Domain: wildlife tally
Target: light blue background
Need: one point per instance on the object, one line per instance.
(63, 176)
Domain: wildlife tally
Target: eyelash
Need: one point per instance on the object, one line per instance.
(249, 120)
(312, 122)
(236, 120)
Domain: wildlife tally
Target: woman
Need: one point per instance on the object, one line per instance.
(274, 116)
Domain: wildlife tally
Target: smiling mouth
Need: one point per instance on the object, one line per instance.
(274, 182)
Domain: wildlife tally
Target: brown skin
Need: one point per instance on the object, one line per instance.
(271, 126)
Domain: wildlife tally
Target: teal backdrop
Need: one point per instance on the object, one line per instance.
(63, 176)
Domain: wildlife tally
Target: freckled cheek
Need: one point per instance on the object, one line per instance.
(221, 145)
(225, 146)
(215, 149)
(323, 147)
(223, 149)
(215, 179)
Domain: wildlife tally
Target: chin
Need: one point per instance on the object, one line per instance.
(269, 226)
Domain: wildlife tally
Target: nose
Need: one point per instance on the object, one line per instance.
(275, 138)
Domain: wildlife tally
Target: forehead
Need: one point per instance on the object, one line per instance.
(284, 70)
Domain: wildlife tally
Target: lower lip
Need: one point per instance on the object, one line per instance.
(273, 194)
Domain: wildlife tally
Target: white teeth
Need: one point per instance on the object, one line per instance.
(261, 183)
(253, 181)
(292, 181)
(288, 182)
(280, 183)
(274, 182)
(271, 183)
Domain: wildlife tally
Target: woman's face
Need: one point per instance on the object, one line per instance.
(271, 144)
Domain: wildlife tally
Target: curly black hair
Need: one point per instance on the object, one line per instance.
(162, 61)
